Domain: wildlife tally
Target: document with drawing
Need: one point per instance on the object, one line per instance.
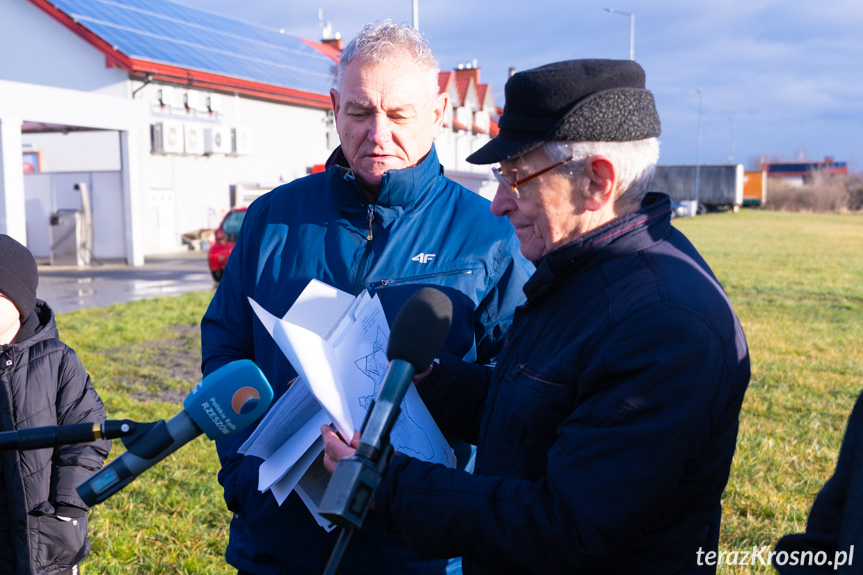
(337, 343)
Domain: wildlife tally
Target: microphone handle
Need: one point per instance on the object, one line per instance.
(352, 486)
(384, 412)
(54, 435)
(122, 470)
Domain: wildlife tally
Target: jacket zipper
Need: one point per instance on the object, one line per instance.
(371, 235)
(522, 368)
(364, 260)
(394, 281)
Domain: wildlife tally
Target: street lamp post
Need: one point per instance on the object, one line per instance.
(631, 29)
(698, 151)
(731, 157)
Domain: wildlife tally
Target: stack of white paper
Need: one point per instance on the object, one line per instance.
(337, 343)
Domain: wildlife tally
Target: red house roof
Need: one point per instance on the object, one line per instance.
(444, 79)
(463, 84)
(481, 91)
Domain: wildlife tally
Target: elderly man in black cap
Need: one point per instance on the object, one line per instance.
(605, 432)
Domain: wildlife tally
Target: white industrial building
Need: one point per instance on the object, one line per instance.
(159, 117)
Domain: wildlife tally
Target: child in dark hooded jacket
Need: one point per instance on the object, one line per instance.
(43, 521)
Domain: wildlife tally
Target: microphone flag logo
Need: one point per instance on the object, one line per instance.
(245, 400)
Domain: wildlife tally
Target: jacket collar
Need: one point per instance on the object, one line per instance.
(38, 326)
(637, 231)
(400, 191)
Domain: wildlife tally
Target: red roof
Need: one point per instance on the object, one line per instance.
(462, 84)
(458, 125)
(327, 50)
(481, 90)
(444, 79)
(477, 129)
(468, 73)
(493, 130)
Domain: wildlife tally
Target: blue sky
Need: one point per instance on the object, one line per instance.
(779, 79)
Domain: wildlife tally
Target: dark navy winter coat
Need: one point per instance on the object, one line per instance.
(606, 430)
(43, 521)
(835, 523)
(423, 229)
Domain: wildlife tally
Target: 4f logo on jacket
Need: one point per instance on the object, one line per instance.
(423, 258)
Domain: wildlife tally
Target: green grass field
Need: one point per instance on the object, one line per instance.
(796, 281)
(144, 358)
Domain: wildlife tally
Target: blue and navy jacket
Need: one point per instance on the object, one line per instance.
(606, 430)
(422, 230)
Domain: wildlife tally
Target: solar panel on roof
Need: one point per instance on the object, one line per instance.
(168, 33)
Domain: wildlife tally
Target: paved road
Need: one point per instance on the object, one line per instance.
(70, 288)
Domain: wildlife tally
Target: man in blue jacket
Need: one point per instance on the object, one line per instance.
(383, 218)
(605, 431)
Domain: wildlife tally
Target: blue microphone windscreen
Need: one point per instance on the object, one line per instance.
(229, 399)
(420, 328)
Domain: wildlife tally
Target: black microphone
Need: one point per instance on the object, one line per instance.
(418, 333)
(229, 399)
(54, 435)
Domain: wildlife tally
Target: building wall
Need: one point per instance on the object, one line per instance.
(96, 151)
(36, 49)
(23, 102)
(68, 159)
(48, 74)
(190, 190)
(55, 192)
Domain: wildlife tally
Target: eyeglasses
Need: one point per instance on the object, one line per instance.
(503, 179)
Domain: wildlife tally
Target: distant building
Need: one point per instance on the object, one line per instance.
(803, 172)
(468, 125)
(171, 115)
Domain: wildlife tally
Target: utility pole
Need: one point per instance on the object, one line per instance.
(698, 151)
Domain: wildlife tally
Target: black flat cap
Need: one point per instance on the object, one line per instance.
(575, 100)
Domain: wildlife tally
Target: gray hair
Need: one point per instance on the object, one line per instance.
(635, 162)
(379, 41)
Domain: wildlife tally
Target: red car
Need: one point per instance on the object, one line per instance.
(225, 238)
